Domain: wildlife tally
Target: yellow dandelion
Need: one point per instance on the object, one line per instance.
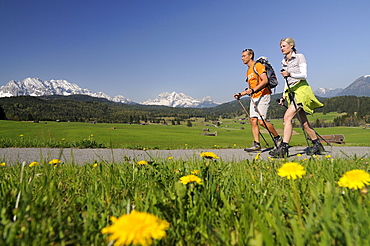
(257, 156)
(34, 163)
(142, 162)
(328, 156)
(136, 228)
(54, 162)
(209, 155)
(3, 164)
(299, 155)
(195, 172)
(95, 164)
(191, 178)
(63, 139)
(21, 135)
(291, 170)
(355, 179)
(170, 158)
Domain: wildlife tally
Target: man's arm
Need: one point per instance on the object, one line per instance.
(263, 82)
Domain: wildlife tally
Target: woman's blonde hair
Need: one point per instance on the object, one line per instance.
(290, 41)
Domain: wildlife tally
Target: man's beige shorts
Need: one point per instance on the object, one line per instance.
(262, 104)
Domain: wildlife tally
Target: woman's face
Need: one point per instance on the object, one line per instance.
(285, 47)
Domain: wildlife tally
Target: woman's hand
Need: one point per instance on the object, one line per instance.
(282, 100)
(285, 73)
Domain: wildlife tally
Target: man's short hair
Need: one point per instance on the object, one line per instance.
(250, 51)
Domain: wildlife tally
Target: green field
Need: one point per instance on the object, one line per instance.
(231, 133)
(237, 203)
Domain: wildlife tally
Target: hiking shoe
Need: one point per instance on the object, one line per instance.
(278, 140)
(317, 148)
(255, 147)
(281, 151)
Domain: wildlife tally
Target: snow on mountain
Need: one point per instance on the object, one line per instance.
(38, 87)
(180, 100)
(359, 87)
(327, 92)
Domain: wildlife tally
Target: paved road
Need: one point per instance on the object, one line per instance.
(81, 156)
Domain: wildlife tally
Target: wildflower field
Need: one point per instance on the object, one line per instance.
(316, 201)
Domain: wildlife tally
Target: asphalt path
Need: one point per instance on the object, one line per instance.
(85, 156)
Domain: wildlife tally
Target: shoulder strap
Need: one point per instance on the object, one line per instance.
(254, 68)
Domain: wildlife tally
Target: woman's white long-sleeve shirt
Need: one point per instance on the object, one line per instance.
(297, 67)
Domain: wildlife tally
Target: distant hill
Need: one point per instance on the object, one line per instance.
(360, 87)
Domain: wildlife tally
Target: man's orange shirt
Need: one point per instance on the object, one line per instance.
(252, 80)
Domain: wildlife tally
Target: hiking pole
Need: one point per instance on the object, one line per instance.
(245, 110)
(323, 139)
(291, 96)
(264, 122)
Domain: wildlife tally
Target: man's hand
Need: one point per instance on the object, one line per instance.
(237, 96)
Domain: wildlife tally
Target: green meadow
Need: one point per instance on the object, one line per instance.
(237, 203)
(231, 133)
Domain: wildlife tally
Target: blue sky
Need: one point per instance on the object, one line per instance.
(139, 49)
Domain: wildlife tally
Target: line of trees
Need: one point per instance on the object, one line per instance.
(86, 109)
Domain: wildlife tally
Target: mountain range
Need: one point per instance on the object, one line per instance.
(180, 100)
(38, 87)
(359, 87)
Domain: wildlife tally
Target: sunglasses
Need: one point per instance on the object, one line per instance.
(248, 50)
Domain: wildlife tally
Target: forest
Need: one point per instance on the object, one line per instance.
(82, 108)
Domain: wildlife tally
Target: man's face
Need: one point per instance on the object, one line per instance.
(246, 57)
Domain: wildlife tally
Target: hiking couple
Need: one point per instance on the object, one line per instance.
(297, 93)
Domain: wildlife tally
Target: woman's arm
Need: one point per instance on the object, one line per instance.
(302, 68)
(303, 72)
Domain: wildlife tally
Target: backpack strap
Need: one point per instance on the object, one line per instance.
(255, 71)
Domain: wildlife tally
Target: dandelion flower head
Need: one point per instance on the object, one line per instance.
(34, 163)
(136, 228)
(195, 172)
(54, 162)
(291, 170)
(142, 162)
(209, 155)
(355, 179)
(3, 164)
(190, 178)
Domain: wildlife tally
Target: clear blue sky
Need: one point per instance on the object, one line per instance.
(139, 49)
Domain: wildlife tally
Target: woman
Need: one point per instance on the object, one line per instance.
(300, 98)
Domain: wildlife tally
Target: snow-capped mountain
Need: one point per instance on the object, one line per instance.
(327, 92)
(180, 100)
(38, 87)
(359, 87)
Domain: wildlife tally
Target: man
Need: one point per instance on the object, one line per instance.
(260, 94)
